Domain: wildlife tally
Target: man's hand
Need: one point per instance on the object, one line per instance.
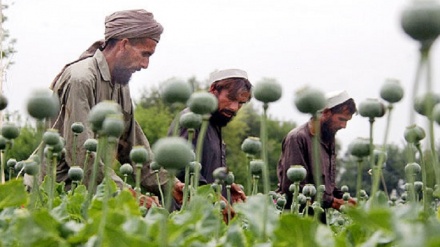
(237, 195)
(337, 203)
(178, 191)
(146, 201)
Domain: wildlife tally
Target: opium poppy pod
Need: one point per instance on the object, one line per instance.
(202, 103)
(251, 145)
(371, 108)
(43, 104)
(309, 190)
(126, 169)
(414, 133)
(100, 111)
(359, 147)
(391, 91)
(91, 145)
(220, 173)
(77, 127)
(3, 102)
(113, 125)
(421, 20)
(173, 152)
(296, 173)
(309, 100)
(51, 137)
(31, 167)
(176, 91)
(10, 130)
(424, 104)
(268, 90)
(75, 173)
(139, 154)
(190, 120)
(256, 166)
(412, 168)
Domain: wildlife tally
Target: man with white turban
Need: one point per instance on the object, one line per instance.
(103, 73)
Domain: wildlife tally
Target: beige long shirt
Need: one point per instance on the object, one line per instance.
(80, 87)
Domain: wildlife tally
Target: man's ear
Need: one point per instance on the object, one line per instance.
(213, 90)
(326, 113)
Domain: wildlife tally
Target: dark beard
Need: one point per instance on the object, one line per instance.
(121, 76)
(219, 119)
(327, 135)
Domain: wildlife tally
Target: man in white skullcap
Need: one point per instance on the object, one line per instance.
(232, 89)
(297, 149)
(103, 73)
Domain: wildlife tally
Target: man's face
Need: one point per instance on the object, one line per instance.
(334, 122)
(133, 57)
(228, 106)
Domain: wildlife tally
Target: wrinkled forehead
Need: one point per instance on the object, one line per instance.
(241, 95)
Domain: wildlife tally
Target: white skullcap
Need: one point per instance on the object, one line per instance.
(335, 98)
(227, 73)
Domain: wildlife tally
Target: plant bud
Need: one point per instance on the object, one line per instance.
(229, 178)
(256, 166)
(176, 91)
(309, 100)
(11, 163)
(51, 137)
(75, 173)
(91, 145)
(421, 20)
(414, 134)
(371, 108)
(173, 152)
(296, 173)
(193, 165)
(424, 104)
(302, 199)
(418, 186)
(359, 147)
(412, 168)
(31, 167)
(251, 145)
(190, 120)
(139, 155)
(154, 166)
(3, 102)
(344, 188)
(100, 111)
(268, 90)
(3, 142)
(43, 104)
(220, 173)
(391, 91)
(77, 127)
(281, 201)
(309, 190)
(10, 130)
(113, 125)
(202, 103)
(126, 169)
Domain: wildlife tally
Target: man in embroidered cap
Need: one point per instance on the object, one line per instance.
(232, 89)
(297, 149)
(102, 73)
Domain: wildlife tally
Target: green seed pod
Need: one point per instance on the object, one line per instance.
(341, 220)
(100, 111)
(31, 167)
(346, 196)
(379, 153)
(281, 202)
(296, 173)
(139, 154)
(371, 108)
(321, 188)
(292, 188)
(43, 104)
(229, 178)
(309, 100)
(436, 113)
(154, 166)
(220, 173)
(391, 91)
(126, 169)
(51, 137)
(414, 134)
(91, 145)
(3, 142)
(202, 103)
(59, 146)
(344, 188)
(421, 20)
(18, 166)
(173, 152)
(256, 166)
(412, 169)
(302, 199)
(193, 165)
(190, 120)
(216, 187)
(11, 163)
(267, 90)
(113, 125)
(362, 193)
(10, 130)
(77, 127)
(3, 102)
(251, 145)
(176, 91)
(359, 147)
(75, 173)
(222, 204)
(273, 195)
(418, 186)
(309, 190)
(424, 104)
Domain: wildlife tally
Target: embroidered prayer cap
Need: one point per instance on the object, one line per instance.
(136, 23)
(227, 73)
(335, 98)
